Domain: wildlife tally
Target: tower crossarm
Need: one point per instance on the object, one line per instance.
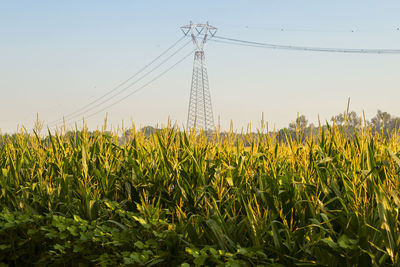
(206, 31)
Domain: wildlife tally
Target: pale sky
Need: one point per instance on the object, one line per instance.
(57, 56)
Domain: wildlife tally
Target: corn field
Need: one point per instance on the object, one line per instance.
(177, 199)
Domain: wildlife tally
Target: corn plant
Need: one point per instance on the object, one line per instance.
(181, 198)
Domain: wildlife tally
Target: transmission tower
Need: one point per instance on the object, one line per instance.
(200, 114)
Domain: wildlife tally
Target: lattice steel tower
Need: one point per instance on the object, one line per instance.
(200, 114)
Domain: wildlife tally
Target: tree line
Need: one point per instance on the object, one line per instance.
(382, 123)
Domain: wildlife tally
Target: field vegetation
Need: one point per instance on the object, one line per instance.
(169, 198)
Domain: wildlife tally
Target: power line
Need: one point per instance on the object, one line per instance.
(128, 86)
(227, 40)
(137, 90)
(120, 84)
(353, 30)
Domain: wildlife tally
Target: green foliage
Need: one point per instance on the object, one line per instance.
(167, 198)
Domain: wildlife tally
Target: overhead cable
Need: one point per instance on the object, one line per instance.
(326, 30)
(90, 108)
(305, 48)
(120, 84)
(135, 91)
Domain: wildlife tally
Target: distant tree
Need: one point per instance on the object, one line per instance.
(297, 129)
(338, 119)
(148, 130)
(382, 118)
(351, 120)
(385, 123)
(349, 123)
(300, 123)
